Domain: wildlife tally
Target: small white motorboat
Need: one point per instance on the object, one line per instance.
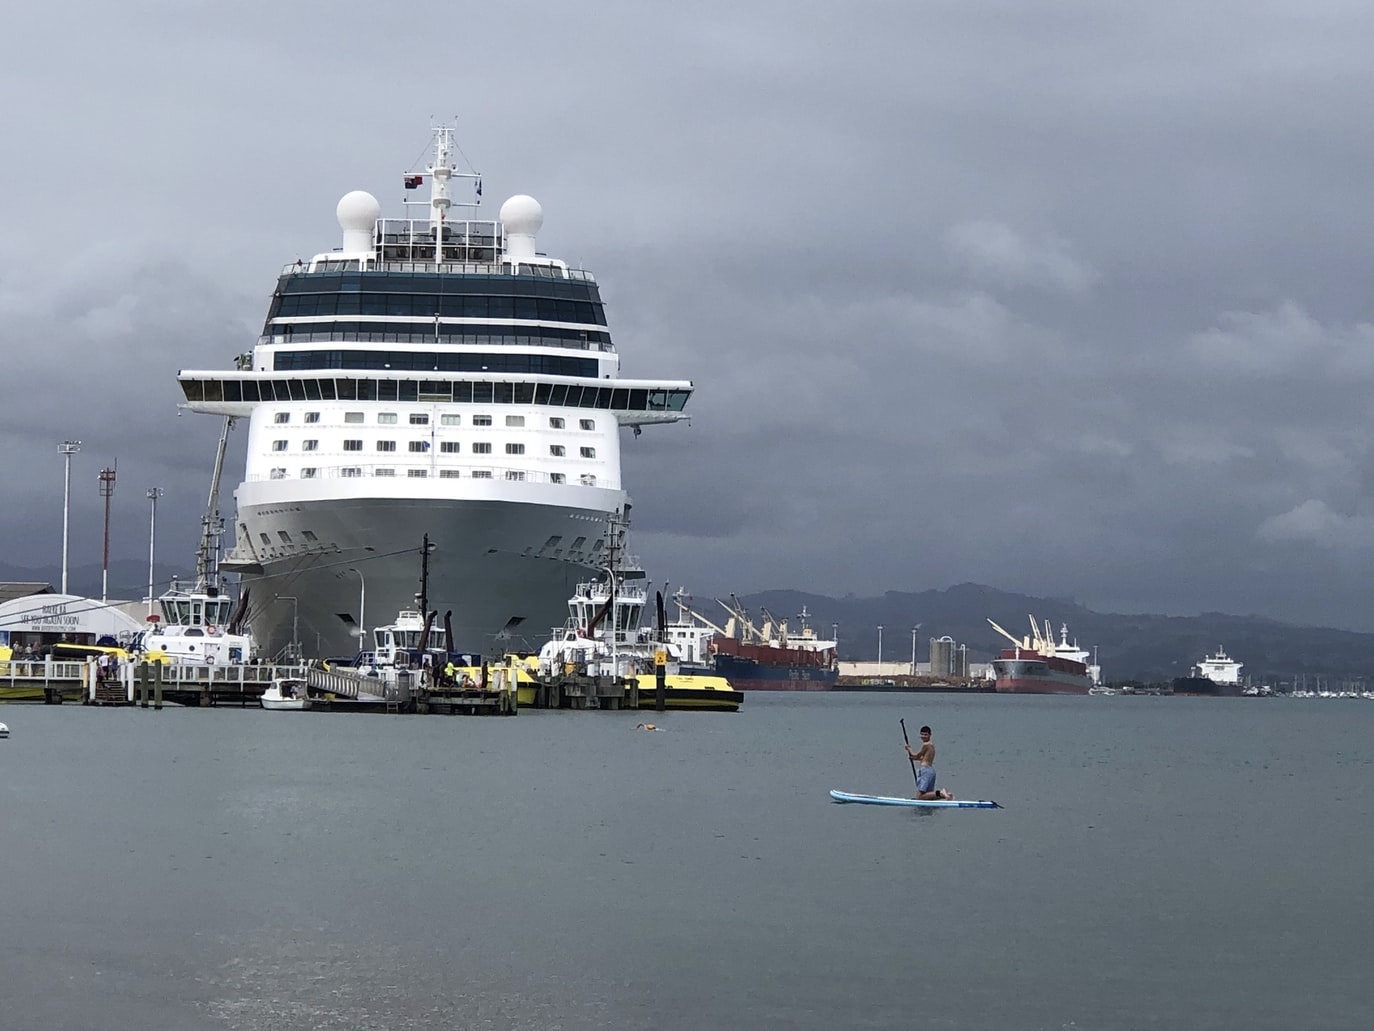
(285, 693)
(4, 730)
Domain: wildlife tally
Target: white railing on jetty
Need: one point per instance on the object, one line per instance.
(38, 673)
(174, 676)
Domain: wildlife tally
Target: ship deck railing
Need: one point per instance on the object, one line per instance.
(399, 471)
(463, 268)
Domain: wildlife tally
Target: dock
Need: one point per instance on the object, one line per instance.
(495, 691)
(56, 682)
(241, 686)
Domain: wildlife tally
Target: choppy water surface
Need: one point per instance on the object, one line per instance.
(1161, 863)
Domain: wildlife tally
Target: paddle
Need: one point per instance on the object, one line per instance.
(913, 761)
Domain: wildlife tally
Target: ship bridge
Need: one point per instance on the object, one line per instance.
(631, 402)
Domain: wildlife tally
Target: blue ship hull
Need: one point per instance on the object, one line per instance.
(747, 674)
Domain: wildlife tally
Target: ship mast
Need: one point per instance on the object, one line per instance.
(440, 171)
(439, 201)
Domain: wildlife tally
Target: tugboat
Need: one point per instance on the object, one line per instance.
(202, 626)
(603, 637)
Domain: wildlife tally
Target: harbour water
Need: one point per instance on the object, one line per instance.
(1161, 863)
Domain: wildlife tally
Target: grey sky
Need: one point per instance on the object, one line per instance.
(1066, 297)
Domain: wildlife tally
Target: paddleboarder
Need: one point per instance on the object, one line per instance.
(925, 774)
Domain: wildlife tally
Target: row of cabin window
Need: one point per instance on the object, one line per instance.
(556, 422)
(446, 447)
(353, 472)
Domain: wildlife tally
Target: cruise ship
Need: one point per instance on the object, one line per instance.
(434, 385)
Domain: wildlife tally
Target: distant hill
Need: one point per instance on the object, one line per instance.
(1143, 647)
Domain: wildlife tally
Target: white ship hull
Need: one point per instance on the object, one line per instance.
(492, 562)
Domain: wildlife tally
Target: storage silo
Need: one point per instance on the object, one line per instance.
(941, 656)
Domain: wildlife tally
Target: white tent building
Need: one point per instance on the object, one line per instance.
(44, 619)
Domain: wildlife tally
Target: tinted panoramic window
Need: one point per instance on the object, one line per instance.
(417, 294)
(473, 335)
(558, 395)
(430, 361)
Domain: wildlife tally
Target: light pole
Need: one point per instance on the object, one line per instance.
(880, 648)
(107, 486)
(913, 649)
(615, 668)
(362, 609)
(295, 612)
(153, 494)
(67, 448)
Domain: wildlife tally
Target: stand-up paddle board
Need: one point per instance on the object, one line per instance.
(958, 803)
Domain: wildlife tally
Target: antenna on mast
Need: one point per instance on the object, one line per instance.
(440, 172)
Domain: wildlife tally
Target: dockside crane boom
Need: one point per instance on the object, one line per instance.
(684, 609)
(1019, 643)
(212, 524)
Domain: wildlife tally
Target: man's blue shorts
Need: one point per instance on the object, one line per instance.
(925, 779)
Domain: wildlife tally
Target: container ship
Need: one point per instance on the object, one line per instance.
(1217, 674)
(1037, 664)
(435, 384)
(754, 656)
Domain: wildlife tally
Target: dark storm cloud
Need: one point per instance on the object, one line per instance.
(1067, 298)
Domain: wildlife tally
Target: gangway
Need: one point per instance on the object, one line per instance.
(347, 683)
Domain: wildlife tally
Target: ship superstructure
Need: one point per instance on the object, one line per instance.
(1217, 674)
(1219, 668)
(431, 376)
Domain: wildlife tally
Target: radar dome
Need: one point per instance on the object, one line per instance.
(357, 214)
(521, 217)
(522, 214)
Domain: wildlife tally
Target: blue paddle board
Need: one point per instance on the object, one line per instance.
(958, 803)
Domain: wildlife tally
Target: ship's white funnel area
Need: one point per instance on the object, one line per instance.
(521, 217)
(357, 214)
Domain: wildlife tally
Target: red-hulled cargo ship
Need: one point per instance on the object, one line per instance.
(756, 656)
(1039, 665)
(767, 667)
